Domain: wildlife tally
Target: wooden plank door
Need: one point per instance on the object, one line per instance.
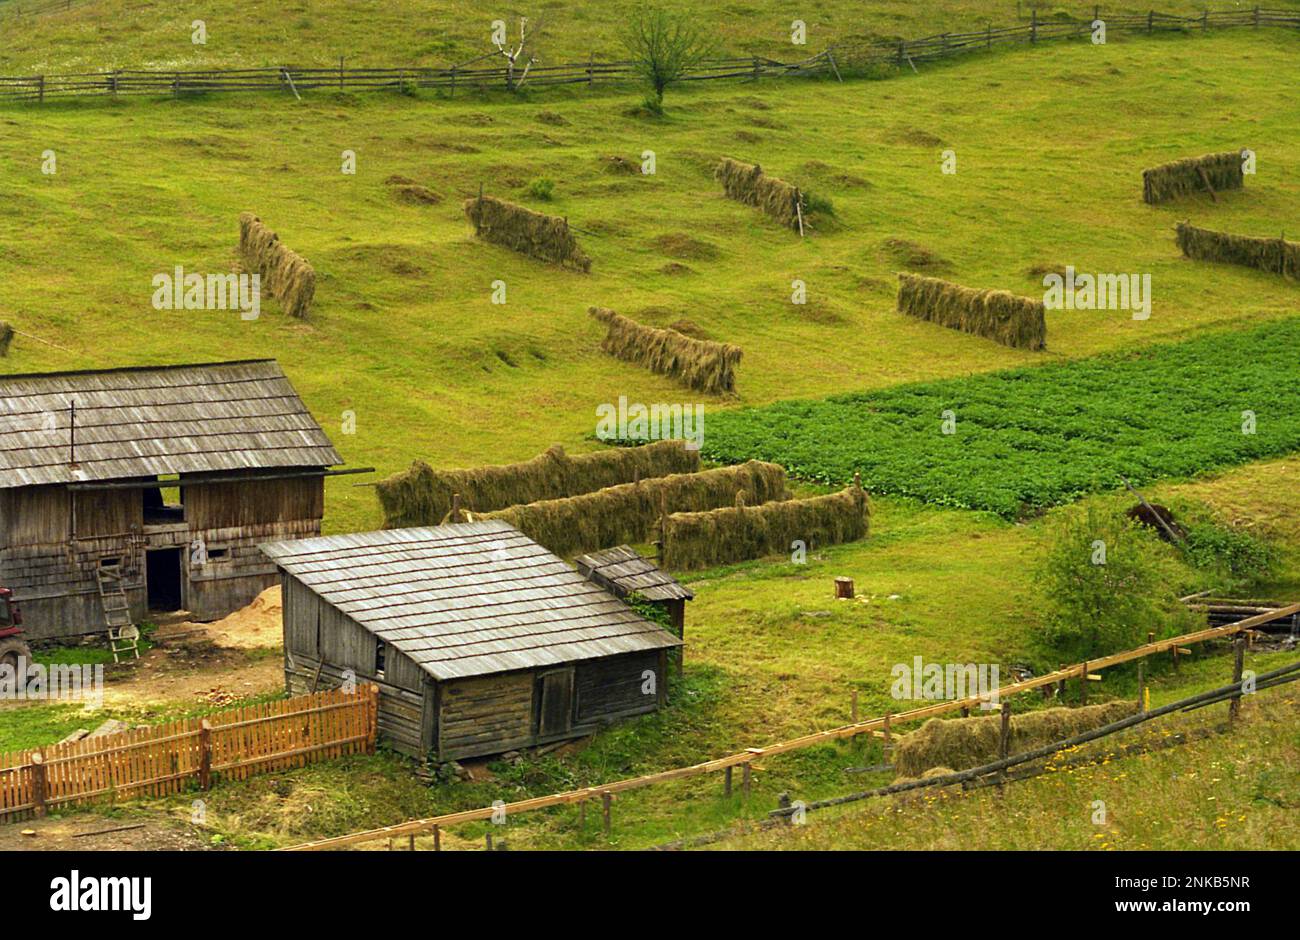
(556, 702)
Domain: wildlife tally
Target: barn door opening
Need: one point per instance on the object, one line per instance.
(556, 702)
(163, 579)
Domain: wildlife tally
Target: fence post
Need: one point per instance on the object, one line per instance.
(726, 783)
(372, 733)
(756, 67)
(1083, 685)
(41, 88)
(1238, 662)
(1004, 741)
(340, 73)
(1205, 19)
(1033, 25)
(205, 755)
(38, 783)
(1142, 698)
(606, 799)
(591, 68)
(1257, 17)
(1151, 21)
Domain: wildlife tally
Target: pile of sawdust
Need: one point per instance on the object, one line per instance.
(257, 626)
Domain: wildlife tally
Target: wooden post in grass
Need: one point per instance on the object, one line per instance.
(1142, 682)
(606, 799)
(1083, 685)
(726, 782)
(1033, 25)
(437, 838)
(1151, 21)
(340, 73)
(410, 841)
(1004, 741)
(487, 841)
(1238, 664)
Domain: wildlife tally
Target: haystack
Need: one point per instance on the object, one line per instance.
(285, 273)
(546, 237)
(628, 514)
(1276, 255)
(746, 183)
(743, 532)
(1182, 177)
(700, 364)
(998, 315)
(423, 496)
(963, 743)
(6, 337)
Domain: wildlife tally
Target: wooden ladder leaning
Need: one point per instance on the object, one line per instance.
(123, 637)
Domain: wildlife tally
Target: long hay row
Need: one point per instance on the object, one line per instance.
(699, 364)
(545, 237)
(998, 315)
(1183, 177)
(740, 533)
(746, 183)
(284, 272)
(1276, 255)
(962, 743)
(423, 496)
(628, 514)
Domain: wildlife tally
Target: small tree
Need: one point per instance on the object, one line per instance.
(663, 47)
(1106, 581)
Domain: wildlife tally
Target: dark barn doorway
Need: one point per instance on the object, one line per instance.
(163, 577)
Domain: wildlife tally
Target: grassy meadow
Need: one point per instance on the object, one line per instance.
(404, 335)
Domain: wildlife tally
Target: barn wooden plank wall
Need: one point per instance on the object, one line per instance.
(162, 759)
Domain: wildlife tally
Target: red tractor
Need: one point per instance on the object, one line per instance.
(12, 645)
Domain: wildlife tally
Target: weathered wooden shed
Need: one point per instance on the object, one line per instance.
(624, 573)
(480, 640)
(129, 490)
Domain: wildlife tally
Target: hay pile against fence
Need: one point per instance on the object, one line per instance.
(700, 364)
(994, 314)
(629, 513)
(423, 496)
(546, 237)
(746, 183)
(6, 337)
(1276, 255)
(284, 272)
(1173, 180)
(743, 532)
(963, 743)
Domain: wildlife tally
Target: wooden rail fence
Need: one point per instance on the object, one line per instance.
(882, 726)
(162, 759)
(835, 60)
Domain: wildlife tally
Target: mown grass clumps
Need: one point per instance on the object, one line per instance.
(1276, 255)
(284, 272)
(701, 364)
(545, 237)
(423, 496)
(628, 514)
(1190, 175)
(963, 743)
(747, 183)
(999, 315)
(744, 532)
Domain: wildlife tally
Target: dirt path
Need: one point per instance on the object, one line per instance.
(90, 832)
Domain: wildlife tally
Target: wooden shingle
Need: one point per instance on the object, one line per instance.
(624, 572)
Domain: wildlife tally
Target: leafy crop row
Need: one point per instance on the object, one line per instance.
(1025, 439)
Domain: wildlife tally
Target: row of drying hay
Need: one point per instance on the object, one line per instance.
(700, 364)
(284, 272)
(1276, 255)
(747, 183)
(424, 496)
(6, 337)
(541, 236)
(691, 540)
(999, 315)
(629, 513)
(963, 743)
(1212, 172)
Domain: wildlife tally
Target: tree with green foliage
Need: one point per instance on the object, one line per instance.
(663, 46)
(1106, 581)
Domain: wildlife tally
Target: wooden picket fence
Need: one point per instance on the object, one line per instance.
(177, 755)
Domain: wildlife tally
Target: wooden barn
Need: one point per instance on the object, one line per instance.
(480, 640)
(129, 490)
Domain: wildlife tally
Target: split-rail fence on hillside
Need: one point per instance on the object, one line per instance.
(834, 61)
(162, 759)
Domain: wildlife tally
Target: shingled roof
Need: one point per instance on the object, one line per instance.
(144, 422)
(468, 599)
(624, 572)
